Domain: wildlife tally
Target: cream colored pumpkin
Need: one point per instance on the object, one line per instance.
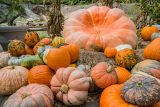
(4, 57)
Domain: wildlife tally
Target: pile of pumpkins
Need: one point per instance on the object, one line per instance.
(36, 71)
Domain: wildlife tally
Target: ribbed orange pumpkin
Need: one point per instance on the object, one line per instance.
(70, 86)
(56, 58)
(111, 97)
(31, 39)
(32, 95)
(103, 75)
(73, 51)
(40, 74)
(147, 31)
(110, 52)
(99, 27)
(152, 51)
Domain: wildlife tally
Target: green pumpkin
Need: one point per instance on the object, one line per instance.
(31, 61)
(41, 50)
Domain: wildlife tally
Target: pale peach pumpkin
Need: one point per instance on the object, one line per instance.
(70, 86)
(99, 27)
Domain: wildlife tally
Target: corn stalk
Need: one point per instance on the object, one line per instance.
(56, 20)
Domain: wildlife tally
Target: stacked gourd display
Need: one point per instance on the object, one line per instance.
(36, 71)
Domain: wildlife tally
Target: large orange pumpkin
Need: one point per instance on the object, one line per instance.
(73, 51)
(111, 97)
(147, 31)
(41, 74)
(56, 58)
(99, 27)
(32, 95)
(70, 86)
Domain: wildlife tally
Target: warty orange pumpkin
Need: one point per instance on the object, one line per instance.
(32, 95)
(96, 27)
(111, 97)
(70, 86)
(40, 74)
(31, 39)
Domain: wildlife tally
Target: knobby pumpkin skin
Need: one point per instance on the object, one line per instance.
(126, 58)
(141, 90)
(110, 52)
(28, 50)
(152, 51)
(41, 49)
(90, 32)
(40, 74)
(70, 86)
(4, 57)
(103, 75)
(12, 78)
(111, 97)
(31, 39)
(32, 95)
(57, 41)
(56, 58)
(43, 42)
(151, 67)
(16, 48)
(73, 50)
(147, 31)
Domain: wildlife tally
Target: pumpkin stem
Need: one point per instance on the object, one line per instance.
(64, 88)
(140, 84)
(24, 95)
(109, 69)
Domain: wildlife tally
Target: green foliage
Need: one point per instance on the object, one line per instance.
(74, 2)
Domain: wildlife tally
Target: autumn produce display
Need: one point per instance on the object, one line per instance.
(96, 56)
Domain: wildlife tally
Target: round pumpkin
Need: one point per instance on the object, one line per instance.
(28, 50)
(155, 35)
(57, 41)
(4, 57)
(56, 58)
(16, 60)
(141, 90)
(32, 95)
(152, 51)
(70, 86)
(111, 97)
(73, 50)
(43, 42)
(103, 75)
(31, 39)
(126, 58)
(12, 78)
(147, 31)
(99, 27)
(31, 61)
(40, 74)
(110, 52)
(151, 67)
(16, 47)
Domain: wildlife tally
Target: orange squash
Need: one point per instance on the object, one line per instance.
(56, 58)
(152, 51)
(147, 31)
(110, 52)
(28, 50)
(73, 51)
(31, 39)
(40, 74)
(99, 27)
(111, 97)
